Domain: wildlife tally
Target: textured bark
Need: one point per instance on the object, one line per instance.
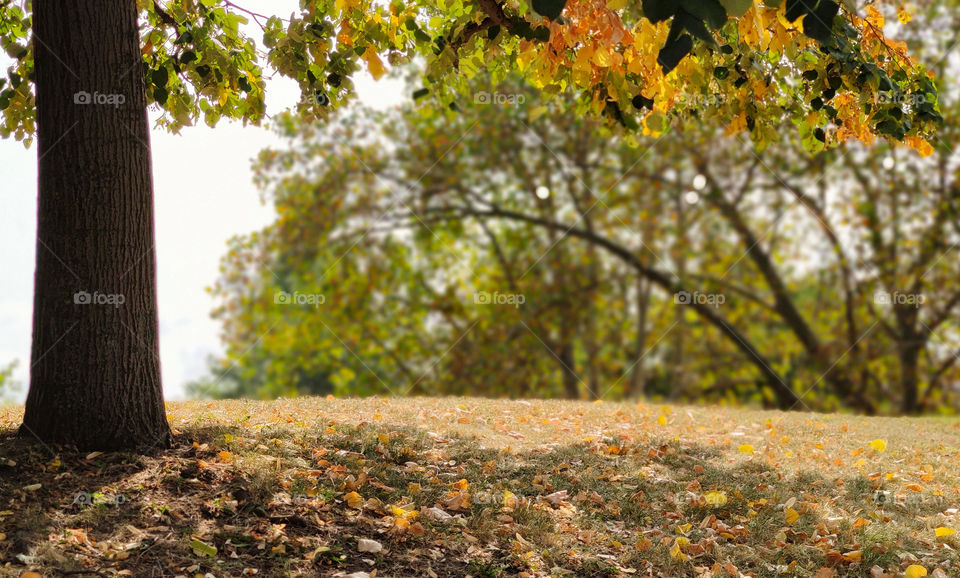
(637, 387)
(571, 383)
(909, 354)
(95, 374)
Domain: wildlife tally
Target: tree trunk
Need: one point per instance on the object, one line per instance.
(909, 354)
(637, 386)
(95, 374)
(571, 383)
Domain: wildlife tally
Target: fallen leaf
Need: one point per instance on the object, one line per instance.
(201, 548)
(746, 449)
(878, 445)
(915, 571)
(366, 545)
(353, 500)
(943, 531)
(791, 516)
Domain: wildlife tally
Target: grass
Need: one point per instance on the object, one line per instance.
(455, 487)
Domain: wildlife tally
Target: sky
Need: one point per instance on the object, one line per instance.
(203, 196)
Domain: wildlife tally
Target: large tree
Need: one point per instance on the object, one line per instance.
(95, 379)
(798, 246)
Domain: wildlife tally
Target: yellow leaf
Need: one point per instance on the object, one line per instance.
(676, 552)
(915, 571)
(746, 449)
(224, 456)
(943, 531)
(920, 145)
(904, 15)
(601, 57)
(402, 514)
(791, 516)
(853, 556)
(509, 500)
(715, 498)
(878, 445)
(662, 420)
(374, 64)
(353, 499)
(875, 17)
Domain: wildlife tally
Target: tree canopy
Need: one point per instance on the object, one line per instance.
(643, 66)
(599, 239)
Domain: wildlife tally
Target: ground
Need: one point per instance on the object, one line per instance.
(456, 487)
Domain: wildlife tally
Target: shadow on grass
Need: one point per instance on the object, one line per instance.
(287, 501)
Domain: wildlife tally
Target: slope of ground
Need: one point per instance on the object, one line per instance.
(456, 487)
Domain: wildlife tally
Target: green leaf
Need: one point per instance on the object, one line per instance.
(201, 548)
(160, 95)
(736, 8)
(160, 77)
(674, 51)
(658, 10)
(710, 10)
(549, 8)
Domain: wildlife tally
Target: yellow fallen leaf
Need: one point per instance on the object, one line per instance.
(878, 445)
(943, 531)
(224, 456)
(791, 516)
(662, 420)
(353, 499)
(746, 449)
(403, 514)
(509, 500)
(853, 556)
(676, 552)
(715, 498)
(915, 571)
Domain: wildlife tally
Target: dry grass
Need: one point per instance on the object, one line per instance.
(289, 488)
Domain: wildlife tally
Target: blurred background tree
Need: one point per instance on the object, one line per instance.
(686, 266)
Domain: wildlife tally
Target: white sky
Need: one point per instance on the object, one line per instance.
(203, 196)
